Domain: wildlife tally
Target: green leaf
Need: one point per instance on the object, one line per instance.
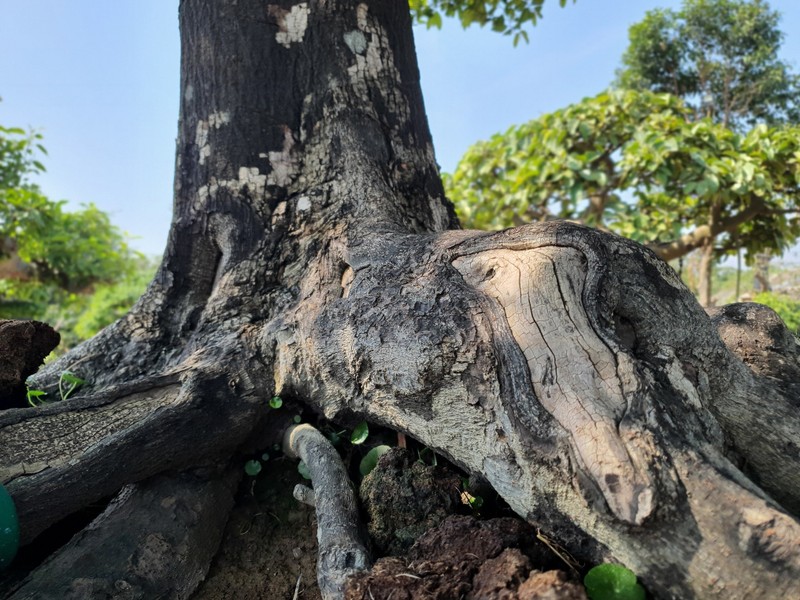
(371, 459)
(303, 470)
(612, 582)
(275, 402)
(360, 433)
(68, 382)
(252, 467)
(33, 397)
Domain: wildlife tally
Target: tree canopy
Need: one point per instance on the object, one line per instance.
(635, 163)
(720, 56)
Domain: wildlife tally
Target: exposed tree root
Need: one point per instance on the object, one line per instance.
(155, 540)
(76, 452)
(342, 539)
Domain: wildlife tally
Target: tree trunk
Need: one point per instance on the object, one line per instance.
(706, 273)
(310, 257)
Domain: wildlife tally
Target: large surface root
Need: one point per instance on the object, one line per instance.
(155, 540)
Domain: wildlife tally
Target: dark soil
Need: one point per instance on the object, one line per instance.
(404, 498)
(498, 559)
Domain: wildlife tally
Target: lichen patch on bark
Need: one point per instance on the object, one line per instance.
(215, 121)
(292, 23)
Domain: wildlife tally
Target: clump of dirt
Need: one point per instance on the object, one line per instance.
(269, 542)
(23, 346)
(404, 498)
(470, 559)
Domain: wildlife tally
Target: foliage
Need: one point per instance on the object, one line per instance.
(18, 150)
(69, 249)
(371, 458)
(787, 308)
(360, 433)
(78, 317)
(612, 582)
(720, 56)
(252, 467)
(73, 269)
(508, 17)
(636, 163)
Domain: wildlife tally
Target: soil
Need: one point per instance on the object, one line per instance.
(411, 511)
(269, 542)
(470, 559)
(404, 498)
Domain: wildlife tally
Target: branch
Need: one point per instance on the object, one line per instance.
(697, 238)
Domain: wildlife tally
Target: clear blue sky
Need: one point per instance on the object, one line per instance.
(100, 81)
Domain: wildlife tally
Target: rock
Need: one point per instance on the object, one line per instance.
(23, 347)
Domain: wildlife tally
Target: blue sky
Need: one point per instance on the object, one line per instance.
(100, 81)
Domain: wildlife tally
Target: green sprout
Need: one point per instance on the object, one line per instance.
(252, 467)
(35, 397)
(371, 459)
(360, 433)
(275, 402)
(612, 582)
(68, 383)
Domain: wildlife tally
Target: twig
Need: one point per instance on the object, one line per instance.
(297, 586)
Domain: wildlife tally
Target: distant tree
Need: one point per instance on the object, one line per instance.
(687, 184)
(49, 255)
(720, 56)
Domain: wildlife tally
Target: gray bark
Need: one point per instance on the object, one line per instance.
(309, 257)
(342, 540)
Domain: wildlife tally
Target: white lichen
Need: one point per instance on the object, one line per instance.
(361, 16)
(249, 177)
(356, 41)
(292, 24)
(283, 163)
(214, 121)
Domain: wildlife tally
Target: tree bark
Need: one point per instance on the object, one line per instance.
(310, 257)
(706, 273)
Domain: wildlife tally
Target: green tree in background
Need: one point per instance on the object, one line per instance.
(720, 56)
(51, 259)
(688, 183)
(677, 170)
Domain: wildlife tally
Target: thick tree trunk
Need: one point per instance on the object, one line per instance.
(309, 256)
